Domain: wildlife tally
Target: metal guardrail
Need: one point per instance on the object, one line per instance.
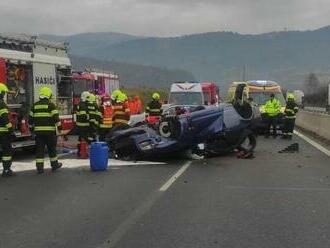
(317, 110)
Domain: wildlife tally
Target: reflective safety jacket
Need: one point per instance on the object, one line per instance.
(44, 117)
(106, 117)
(94, 114)
(154, 108)
(121, 114)
(291, 110)
(5, 125)
(272, 107)
(82, 119)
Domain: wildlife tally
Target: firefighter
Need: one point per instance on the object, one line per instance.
(272, 111)
(106, 118)
(94, 117)
(6, 130)
(121, 112)
(82, 121)
(290, 112)
(45, 121)
(154, 108)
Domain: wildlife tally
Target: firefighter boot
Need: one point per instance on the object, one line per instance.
(7, 172)
(40, 169)
(56, 166)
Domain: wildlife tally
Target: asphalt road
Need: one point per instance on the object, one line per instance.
(273, 200)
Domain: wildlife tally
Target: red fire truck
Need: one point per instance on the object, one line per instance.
(98, 83)
(26, 65)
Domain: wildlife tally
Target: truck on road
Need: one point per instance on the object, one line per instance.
(27, 64)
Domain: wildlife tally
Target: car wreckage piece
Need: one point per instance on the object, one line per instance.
(221, 129)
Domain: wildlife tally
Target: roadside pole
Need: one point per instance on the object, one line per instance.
(328, 105)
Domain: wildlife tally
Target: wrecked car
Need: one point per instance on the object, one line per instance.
(217, 129)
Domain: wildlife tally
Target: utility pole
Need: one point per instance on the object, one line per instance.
(244, 72)
(328, 105)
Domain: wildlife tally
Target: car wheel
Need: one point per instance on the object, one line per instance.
(164, 129)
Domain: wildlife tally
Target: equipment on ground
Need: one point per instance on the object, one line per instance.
(99, 155)
(291, 148)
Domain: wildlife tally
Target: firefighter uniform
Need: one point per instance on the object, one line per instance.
(272, 109)
(291, 110)
(154, 108)
(105, 122)
(44, 118)
(94, 116)
(5, 134)
(121, 112)
(82, 118)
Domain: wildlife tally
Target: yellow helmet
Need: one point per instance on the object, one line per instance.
(45, 92)
(84, 96)
(121, 98)
(91, 98)
(115, 94)
(290, 96)
(3, 88)
(155, 96)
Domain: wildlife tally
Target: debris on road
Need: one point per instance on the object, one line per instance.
(291, 148)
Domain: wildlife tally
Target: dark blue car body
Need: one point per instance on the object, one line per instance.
(221, 126)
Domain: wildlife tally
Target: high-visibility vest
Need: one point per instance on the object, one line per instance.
(107, 114)
(290, 110)
(272, 107)
(82, 115)
(154, 108)
(121, 114)
(93, 113)
(44, 117)
(5, 124)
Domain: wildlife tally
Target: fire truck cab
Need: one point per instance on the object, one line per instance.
(26, 65)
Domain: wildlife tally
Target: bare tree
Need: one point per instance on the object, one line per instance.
(312, 83)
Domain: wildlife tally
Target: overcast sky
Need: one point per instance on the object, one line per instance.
(161, 17)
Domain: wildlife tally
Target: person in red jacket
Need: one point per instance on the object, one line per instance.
(138, 105)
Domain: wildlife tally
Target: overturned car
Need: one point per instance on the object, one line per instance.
(210, 131)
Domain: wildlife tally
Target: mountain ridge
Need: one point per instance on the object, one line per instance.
(284, 56)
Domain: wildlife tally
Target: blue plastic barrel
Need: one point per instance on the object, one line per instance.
(98, 156)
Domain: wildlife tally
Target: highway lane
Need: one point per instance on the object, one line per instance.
(274, 200)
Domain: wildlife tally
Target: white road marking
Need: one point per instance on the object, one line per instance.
(131, 220)
(77, 163)
(141, 210)
(175, 176)
(313, 143)
(276, 188)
